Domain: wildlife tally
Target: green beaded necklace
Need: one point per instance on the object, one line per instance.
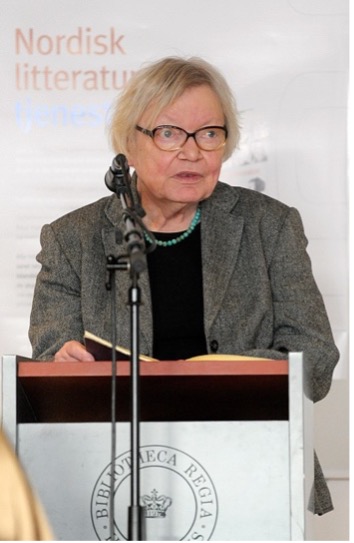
(178, 239)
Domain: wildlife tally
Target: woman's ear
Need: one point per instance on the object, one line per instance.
(130, 153)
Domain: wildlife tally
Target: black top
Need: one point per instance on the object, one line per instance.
(177, 297)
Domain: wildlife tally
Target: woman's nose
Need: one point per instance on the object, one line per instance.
(190, 150)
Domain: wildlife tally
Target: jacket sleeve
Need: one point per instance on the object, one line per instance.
(300, 319)
(56, 309)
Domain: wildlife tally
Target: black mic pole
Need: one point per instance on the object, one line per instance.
(118, 180)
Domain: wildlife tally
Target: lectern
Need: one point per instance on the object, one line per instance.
(226, 448)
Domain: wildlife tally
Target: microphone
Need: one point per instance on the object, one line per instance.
(118, 180)
(117, 174)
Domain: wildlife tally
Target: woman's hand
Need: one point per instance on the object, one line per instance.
(73, 351)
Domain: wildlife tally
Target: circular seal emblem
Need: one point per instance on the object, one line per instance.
(176, 492)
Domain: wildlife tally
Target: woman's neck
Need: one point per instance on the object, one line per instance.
(174, 217)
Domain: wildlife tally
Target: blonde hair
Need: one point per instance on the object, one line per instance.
(158, 85)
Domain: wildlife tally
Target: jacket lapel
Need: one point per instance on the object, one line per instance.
(221, 237)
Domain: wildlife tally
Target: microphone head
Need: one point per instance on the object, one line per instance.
(120, 163)
(118, 179)
(118, 168)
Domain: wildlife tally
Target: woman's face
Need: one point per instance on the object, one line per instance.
(190, 174)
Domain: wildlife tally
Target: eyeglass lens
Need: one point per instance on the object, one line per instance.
(171, 137)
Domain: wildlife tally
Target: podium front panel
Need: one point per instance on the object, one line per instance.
(199, 480)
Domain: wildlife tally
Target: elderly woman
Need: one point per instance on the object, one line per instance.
(230, 273)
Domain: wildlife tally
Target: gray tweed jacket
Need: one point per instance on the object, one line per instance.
(260, 297)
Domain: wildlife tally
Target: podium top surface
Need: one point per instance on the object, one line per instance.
(156, 368)
(246, 389)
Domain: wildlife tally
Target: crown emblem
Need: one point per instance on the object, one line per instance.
(155, 505)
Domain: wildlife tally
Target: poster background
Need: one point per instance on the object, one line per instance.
(287, 62)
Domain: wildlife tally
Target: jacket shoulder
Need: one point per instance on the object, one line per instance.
(83, 216)
(246, 200)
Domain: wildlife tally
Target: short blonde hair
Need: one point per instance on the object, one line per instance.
(158, 85)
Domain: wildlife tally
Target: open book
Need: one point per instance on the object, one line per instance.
(102, 350)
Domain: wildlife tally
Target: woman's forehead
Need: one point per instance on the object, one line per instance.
(196, 101)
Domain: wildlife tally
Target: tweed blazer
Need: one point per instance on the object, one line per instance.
(260, 296)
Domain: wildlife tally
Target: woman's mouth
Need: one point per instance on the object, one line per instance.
(188, 176)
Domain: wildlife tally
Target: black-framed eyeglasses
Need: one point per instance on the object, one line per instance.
(172, 138)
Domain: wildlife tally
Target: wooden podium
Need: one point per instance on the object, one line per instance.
(226, 449)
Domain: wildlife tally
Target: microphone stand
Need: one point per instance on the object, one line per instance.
(118, 180)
